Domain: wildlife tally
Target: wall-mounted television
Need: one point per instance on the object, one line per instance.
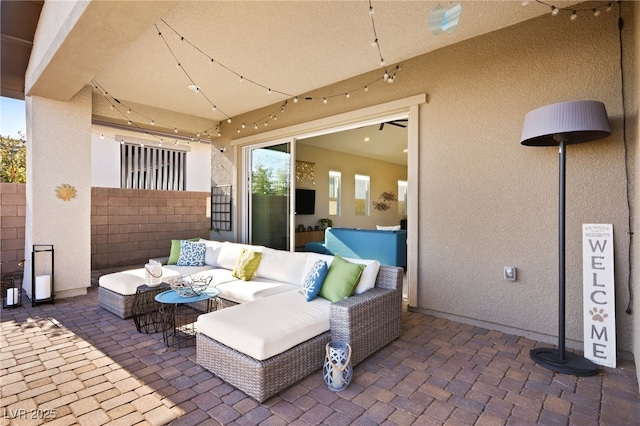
(305, 201)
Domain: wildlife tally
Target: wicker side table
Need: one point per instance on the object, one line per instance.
(145, 309)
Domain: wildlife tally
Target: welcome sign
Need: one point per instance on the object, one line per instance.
(598, 294)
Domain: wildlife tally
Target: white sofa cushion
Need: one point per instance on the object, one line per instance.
(230, 252)
(267, 327)
(126, 282)
(283, 266)
(187, 270)
(257, 288)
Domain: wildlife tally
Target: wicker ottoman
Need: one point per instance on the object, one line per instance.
(261, 379)
(117, 290)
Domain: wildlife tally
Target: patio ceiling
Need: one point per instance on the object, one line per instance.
(290, 47)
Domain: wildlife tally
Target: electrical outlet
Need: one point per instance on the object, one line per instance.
(510, 273)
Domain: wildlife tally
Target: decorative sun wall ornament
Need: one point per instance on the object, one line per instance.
(66, 192)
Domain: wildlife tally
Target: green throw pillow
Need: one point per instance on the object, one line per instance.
(341, 280)
(174, 254)
(247, 264)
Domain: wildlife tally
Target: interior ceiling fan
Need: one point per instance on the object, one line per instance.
(400, 123)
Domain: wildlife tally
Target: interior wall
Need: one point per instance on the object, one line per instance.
(384, 178)
(485, 200)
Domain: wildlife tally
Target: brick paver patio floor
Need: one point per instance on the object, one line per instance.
(75, 363)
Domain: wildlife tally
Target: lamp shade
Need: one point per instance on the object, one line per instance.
(576, 121)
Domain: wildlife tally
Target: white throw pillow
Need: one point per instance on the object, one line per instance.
(369, 275)
(388, 228)
(367, 279)
(212, 252)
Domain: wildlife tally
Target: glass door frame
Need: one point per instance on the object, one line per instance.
(247, 168)
(410, 106)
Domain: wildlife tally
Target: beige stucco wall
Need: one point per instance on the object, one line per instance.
(485, 200)
(384, 177)
(632, 89)
(58, 136)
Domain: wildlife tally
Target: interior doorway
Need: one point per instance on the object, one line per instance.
(407, 108)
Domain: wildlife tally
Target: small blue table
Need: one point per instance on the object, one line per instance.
(180, 314)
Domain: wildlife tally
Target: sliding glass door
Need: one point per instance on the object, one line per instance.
(269, 195)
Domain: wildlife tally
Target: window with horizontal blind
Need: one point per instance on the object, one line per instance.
(152, 167)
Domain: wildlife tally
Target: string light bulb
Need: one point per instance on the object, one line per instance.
(229, 120)
(129, 122)
(596, 13)
(175, 130)
(325, 101)
(129, 111)
(295, 100)
(374, 43)
(214, 108)
(371, 10)
(366, 88)
(554, 11)
(573, 16)
(101, 136)
(153, 122)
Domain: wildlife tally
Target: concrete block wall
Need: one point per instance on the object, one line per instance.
(129, 226)
(12, 221)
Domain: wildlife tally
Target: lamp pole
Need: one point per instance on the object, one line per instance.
(562, 140)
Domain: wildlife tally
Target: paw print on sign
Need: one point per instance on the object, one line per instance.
(598, 314)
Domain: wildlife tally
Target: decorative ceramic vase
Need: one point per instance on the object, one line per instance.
(337, 370)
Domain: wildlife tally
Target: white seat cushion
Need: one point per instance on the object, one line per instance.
(257, 288)
(126, 282)
(269, 326)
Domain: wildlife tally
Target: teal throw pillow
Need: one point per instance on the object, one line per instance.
(191, 254)
(341, 280)
(313, 282)
(174, 254)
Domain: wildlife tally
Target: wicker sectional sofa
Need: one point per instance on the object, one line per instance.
(268, 336)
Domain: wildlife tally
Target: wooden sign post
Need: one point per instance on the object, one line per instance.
(598, 284)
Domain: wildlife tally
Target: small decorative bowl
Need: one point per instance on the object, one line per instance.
(191, 285)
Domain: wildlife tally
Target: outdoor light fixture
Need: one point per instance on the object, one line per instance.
(559, 125)
(445, 19)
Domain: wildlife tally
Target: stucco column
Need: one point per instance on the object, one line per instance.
(59, 153)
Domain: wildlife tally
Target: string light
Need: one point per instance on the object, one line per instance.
(127, 112)
(387, 77)
(555, 10)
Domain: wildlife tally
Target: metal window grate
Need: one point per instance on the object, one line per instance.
(149, 167)
(221, 208)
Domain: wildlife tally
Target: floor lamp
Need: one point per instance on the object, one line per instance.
(559, 125)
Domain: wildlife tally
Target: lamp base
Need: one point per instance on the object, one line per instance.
(572, 364)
